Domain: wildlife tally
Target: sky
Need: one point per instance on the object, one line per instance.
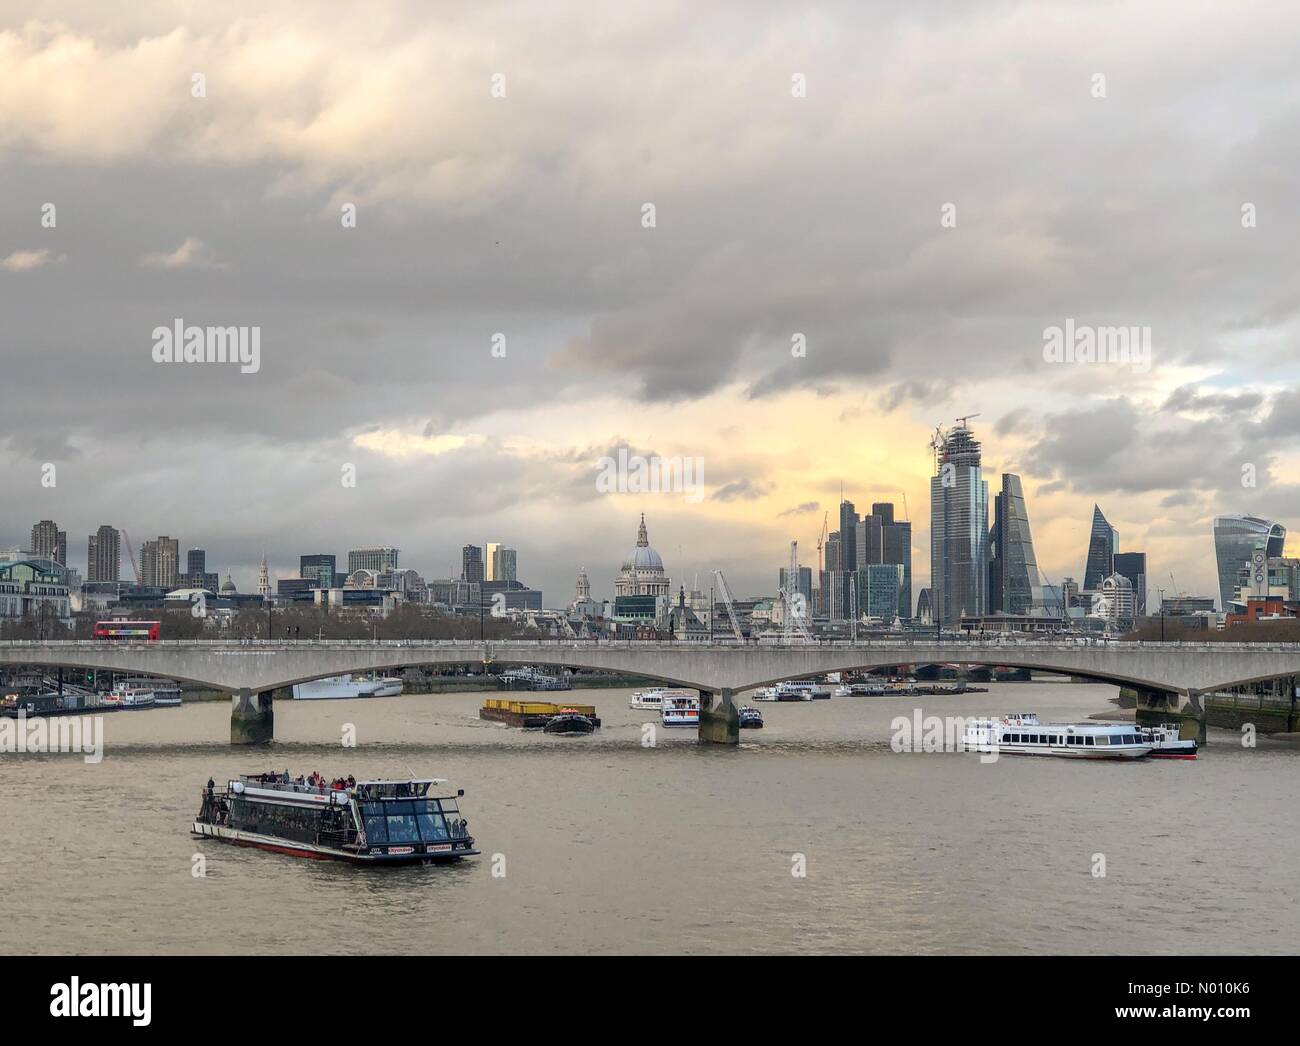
(862, 221)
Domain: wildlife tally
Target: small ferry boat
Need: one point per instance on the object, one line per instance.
(1166, 744)
(800, 690)
(126, 696)
(750, 718)
(652, 697)
(1022, 733)
(680, 710)
(569, 721)
(764, 693)
(860, 690)
(336, 688)
(367, 822)
(655, 696)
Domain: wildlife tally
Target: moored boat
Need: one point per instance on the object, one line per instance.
(1167, 744)
(680, 710)
(800, 690)
(365, 822)
(750, 718)
(1022, 733)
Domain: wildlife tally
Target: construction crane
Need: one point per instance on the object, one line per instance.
(725, 592)
(821, 542)
(130, 551)
(794, 620)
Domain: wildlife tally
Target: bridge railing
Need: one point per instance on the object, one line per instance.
(911, 642)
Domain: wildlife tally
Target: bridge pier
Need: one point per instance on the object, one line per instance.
(719, 720)
(252, 719)
(1187, 710)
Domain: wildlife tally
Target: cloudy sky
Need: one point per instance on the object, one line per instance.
(1108, 163)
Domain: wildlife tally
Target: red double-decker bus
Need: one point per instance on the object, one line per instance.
(132, 631)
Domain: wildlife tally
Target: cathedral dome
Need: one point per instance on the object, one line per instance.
(643, 557)
(643, 571)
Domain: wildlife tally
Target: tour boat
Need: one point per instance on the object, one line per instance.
(1166, 744)
(333, 688)
(370, 822)
(764, 693)
(1022, 733)
(750, 718)
(800, 690)
(653, 697)
(860, 690)
(126, 696)
(569, 721)
(680, 710)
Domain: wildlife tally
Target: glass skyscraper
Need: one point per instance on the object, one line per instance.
(959, 529)
(1235, 538)
(1101, 552)
(1015, 586)
(1133, 565)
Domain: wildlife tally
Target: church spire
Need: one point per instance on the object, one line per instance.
(642, 539)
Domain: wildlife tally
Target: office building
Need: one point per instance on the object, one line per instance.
(1235, 540)
(319, 567)
(1133, 565)
(471, 564)
(959, 529)
(1015, 586)
(376, 559)
(1102, 545)
(159, 563)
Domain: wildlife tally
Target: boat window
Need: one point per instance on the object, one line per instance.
(372, 809)
(1071, 740)
(376, 830)
(399, 808)
(402, 829)
(450, 808)
(1103, 739)
(1088, 740)
(432, 827)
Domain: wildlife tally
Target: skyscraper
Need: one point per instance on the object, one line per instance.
(1015, 586)
(895, 547)
(506, 565)
(49, 542)
(104, 554)
(1102, 546)
(471, 564)
(1235, 538)
(159, 562)
(848, 553)
(490, 561)
(1133, 565)
(959, 529)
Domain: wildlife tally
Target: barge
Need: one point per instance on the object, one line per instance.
(531, 715)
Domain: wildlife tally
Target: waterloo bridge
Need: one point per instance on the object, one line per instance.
(1170, 679)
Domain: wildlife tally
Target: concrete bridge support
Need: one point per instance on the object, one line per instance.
(719, 720)
(1155, 707)
(252, 719)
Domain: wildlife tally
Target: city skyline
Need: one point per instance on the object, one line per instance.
(924, 287)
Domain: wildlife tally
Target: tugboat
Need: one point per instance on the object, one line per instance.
(569, 721)
(1166, 744)
(365, 822)
(750, 718)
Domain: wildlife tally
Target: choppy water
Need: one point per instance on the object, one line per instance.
(612, 847)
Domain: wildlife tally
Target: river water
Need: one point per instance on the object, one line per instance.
(611, 847)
